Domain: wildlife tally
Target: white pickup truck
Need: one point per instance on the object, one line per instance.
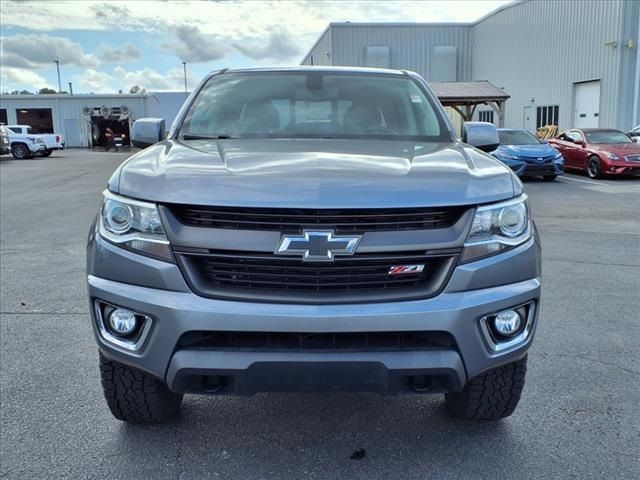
(24, 143)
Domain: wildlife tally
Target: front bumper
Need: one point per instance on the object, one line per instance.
(525, 169)
(620, 168)
(473, 291)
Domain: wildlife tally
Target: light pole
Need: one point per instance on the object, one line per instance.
(184, 65)
(57, 62)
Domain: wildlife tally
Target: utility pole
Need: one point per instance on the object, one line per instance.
(57, 62)
(184, 64)
(70, 89)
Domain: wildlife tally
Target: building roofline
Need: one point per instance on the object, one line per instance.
(498, 10)
(410, 24)
(315, 44)
(428, 24)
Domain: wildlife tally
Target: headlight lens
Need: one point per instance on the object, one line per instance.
(612, 156)
(497, 228)
(134, 225)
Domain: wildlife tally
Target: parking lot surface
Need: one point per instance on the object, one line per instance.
(578, 417)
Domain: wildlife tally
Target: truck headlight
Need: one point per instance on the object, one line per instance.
(134, 225)
(498, 227)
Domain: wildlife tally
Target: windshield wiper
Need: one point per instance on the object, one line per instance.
(207, 137)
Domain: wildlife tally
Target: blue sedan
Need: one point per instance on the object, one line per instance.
(527, 156)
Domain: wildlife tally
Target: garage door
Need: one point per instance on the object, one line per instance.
(587, 104)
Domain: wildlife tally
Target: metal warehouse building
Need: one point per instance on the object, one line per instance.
(567, 63)
(82, 119)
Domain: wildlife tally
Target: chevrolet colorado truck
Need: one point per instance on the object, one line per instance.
(313, 229)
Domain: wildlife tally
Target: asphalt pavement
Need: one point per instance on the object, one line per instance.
(578, 417)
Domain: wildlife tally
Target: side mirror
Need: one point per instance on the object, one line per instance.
(147, 131)
(577, 141)
(482, 135)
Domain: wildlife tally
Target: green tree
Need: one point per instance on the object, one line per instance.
(46, 91)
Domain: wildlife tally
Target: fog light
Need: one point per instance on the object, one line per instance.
(123, 322)
(507, 323)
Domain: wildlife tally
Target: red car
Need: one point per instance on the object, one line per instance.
(598, 152)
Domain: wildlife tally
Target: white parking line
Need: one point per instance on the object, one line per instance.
(564, 177)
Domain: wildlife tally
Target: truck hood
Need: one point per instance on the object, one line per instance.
(309, 173)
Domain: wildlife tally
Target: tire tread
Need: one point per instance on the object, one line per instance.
(133, 396)
(492, 395)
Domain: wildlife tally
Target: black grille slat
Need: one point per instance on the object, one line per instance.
(270, 219)
(305, 342)
(268, 272)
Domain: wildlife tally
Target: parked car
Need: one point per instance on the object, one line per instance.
(635, 134)
(521, 151)
(24, 145)
(598, 152)
(5, 144)
(313, 229)
(52, 141)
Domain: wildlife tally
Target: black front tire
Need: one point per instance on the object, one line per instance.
(549, 178)
(20, 152)
(594, 170)
(134, 396)
(491, 396)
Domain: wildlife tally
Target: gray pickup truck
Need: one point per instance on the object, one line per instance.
(313, 229)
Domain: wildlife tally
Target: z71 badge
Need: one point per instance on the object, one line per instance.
(404, 269)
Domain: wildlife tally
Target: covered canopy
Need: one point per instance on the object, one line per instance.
(464, 97)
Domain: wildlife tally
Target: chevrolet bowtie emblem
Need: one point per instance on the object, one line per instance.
(318, 245)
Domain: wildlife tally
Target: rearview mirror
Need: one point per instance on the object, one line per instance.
(482, 135)
(147, 131)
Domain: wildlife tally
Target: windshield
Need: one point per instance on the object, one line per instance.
(607, 137)
(517, 137)
(313, 105)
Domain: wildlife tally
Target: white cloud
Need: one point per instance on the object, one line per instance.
(246, 23)
(93, 81)
(191, 45)
(121, 79)
(38, 50)
(120, 54)
(281, 45)
(12, 78)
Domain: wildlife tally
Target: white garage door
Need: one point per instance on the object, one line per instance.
(587, 104)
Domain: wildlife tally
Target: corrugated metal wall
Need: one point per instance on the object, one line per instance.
(539, 49)
(411, 45)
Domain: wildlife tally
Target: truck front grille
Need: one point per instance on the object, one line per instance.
(312, 342)
(361, 277)
(341, 220)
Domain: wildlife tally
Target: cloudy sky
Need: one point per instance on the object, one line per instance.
(107, 46)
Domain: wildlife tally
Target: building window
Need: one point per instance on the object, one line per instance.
(377, 56)
(547, 115)
(486, 116)
(3, 116)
